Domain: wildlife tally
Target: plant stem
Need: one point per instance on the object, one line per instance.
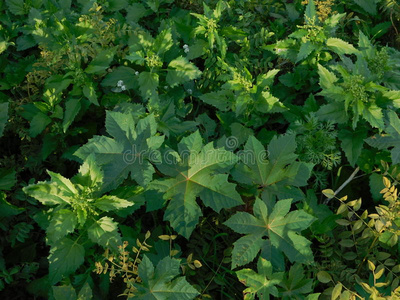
(343, 185)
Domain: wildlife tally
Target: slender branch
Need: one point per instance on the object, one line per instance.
(343, 185)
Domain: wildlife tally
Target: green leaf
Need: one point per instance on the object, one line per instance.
(296, 284)
(384, 141)
(65, 292)
(163, 42)
(340, 47)
(136, 11)
(72, 108)
(368, 5)
(324, 277)
(90, 174)
(328, 193)
(17, 7)
(334, 112)
(115, 5)
(64, 184)
(198, 173)
(222, 100)
(62, 222)
(376, 186)
(148, 84)
(180, 70)
(101, 62)
(110, 203)
(266, 103)
(163, 283)
(137, 57)
(280, 226)
(128, 152)
(393, 127)
(326, 78)
(275, 174)
(7, 209)
(90, 93)
(352, 143)
(7, 179)
(3, 117)
(127, 75)
(394, 96)
(336, 291)
(105, 233)
(305, 50)
(310, 14)
(245, 249)
(197, 49)
(373, 114)
(85, 293)
(171, 125)
(66, 256)
(50, 144)
(263, 284)
(314, 296)
(47, 193)
(3, 46)
(38, 124)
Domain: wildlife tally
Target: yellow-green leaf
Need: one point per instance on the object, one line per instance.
(329, 193)
(324, 276)
(336, 291)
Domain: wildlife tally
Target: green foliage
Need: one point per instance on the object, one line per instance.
(183, 118)
(132, 148)
(278, 176)
(3, 116)
(79, 205)
(161, 282)
(317, 142)
(389, 140)
(68, 292)
(195, 171)
(262, 283)
(367, 242)
(279, 226)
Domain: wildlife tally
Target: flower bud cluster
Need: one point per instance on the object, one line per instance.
(186, 48)
(121, 85)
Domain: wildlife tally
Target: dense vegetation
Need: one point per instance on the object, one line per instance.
(176, 149)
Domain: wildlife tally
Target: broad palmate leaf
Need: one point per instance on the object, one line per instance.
(262, 283)
(128, 151)
(197, 171)
(280, 226)
(163, 283)
(276, 171)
